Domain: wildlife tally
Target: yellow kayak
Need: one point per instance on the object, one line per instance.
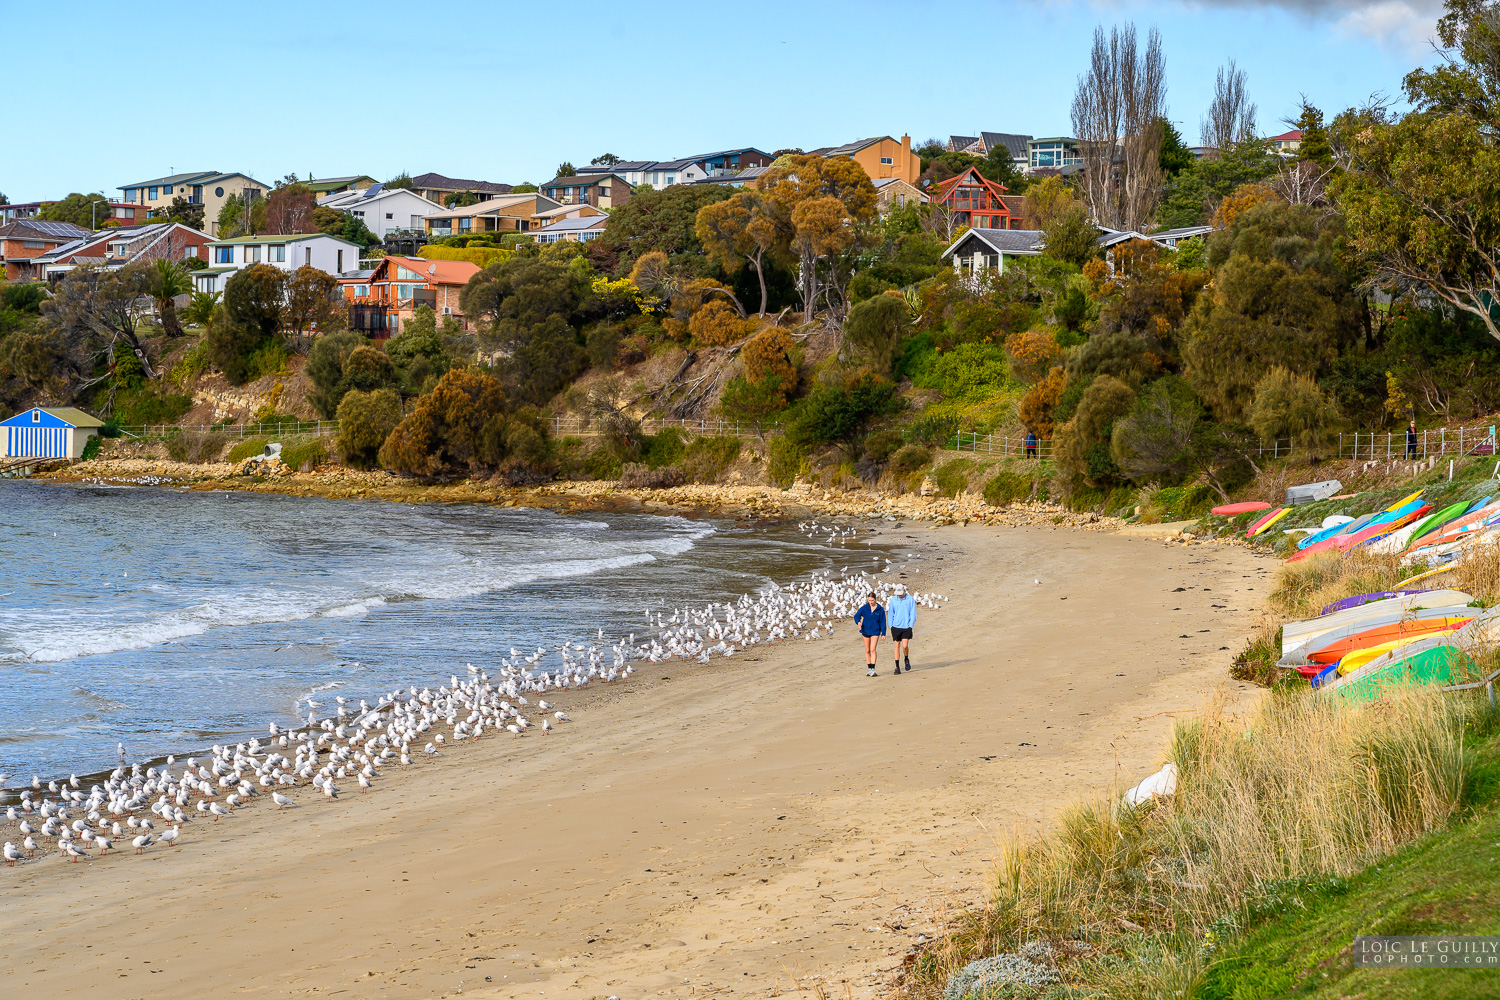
(1359, 658)
(1272, 520)
(1423, 576)
(1405, 500)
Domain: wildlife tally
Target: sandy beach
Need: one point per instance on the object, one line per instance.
(731, 829)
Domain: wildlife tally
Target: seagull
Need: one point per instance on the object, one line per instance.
(281, 802)
(73, 851)
(214, 808)
(142, 842)
(13, 854)
(169, 837)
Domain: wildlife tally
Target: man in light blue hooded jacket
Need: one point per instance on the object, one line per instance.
(901, 614)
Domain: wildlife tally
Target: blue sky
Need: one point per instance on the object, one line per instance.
(504, 92)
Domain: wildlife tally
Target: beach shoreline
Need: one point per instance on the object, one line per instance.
(629, 852)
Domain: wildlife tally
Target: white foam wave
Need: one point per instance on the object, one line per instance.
(354, 610)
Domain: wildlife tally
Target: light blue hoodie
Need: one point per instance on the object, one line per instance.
(902, 611)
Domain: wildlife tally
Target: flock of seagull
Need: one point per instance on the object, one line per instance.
(146, 806)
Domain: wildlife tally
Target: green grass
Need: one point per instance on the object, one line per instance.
(1445, 883)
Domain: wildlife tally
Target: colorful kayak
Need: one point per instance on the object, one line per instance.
(1346, 527)
(1231, 509)
(1405, 500)
(1271, 520)
(1396, 631)
(1426, 575)
(1298, 633)
(1265, 522)
(1359, 658)
(1394, 617)
(1442, 517)
(1377, 531)
(1359, 599)
(1471, 519)
(1438, 663)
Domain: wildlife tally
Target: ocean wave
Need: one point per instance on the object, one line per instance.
(354, 610)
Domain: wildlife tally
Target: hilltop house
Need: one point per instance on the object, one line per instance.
(1053, 155)
(602, 190)
(23, 241)
(979, 250)
(208, 188)
(121, 245)
(881, 157)
(893, 192)
(508, 213)
(384, 297)
(981, 144)
(324, 186)
(685, 170)
(977, 201)
(383, 209)
(333, 254)
(1285, 144)
(437, 188)
(579, 229)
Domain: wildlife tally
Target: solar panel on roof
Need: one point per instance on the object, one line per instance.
(66, 229)
(374, 189)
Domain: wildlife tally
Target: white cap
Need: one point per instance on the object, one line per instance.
(901, 589)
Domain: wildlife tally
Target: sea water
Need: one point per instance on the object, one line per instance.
(167, 620)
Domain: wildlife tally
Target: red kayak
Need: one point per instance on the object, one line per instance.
(1231, 509)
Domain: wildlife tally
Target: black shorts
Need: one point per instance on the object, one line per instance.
(897, 634)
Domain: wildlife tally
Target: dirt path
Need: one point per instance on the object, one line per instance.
(723, 830)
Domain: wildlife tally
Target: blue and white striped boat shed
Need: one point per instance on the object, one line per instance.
(47, 432)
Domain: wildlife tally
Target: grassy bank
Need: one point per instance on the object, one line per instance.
(1290, 832)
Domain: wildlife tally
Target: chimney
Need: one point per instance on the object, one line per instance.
(906, 157)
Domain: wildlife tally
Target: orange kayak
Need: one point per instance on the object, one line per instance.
(1381, 634)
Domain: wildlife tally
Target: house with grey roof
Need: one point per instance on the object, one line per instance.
(383, 210)
(210, 188)
(579, 229)
(438, 188)
(705, 167)
(23, 241)
(981, 144)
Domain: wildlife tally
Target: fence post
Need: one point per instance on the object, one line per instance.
(1388, 445)
(1424, 444)
(1442, 440)
(1460, 442)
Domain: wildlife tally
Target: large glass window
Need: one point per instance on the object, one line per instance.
(252, 255)
(276, 253)
(223, 255)
(153, 194)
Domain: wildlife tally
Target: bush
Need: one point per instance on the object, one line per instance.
(1156, 441)
(343, 361)
(1040, 403)
(875, 326)
(195, 444)
(952, 478)
(666, 447)
(366, 419)
(91, 449)
(933, 430)
(1292, 406)
(719, 323)
(642, 477)
(246, 449)
(840, 414)
(970, 372)
(769, 353)
(604, 345)
(909, 459)
(785, 461)
(707, 458)
(1006, 487)
(141, 406)
(448, 427)
(1083, 442)
(307, 455)
(881, 445)
(1033, 353)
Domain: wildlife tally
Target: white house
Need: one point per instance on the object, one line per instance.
(47, 432)
(333, 254)
(383, 209)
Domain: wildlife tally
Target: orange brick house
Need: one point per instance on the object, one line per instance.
(386, 296)
(881, 157)
(24, 240)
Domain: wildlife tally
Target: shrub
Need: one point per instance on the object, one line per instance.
(247, 448)
(642, 477)
(1156, 440)
(875, 326)
(1033, 353)
(909, 458)
(306, 455)
(707, 458)
(753, 402)
(1040, 403)
(91, 449)
(969, 372)
(141, 406)
(195, 444)
(952, 478)
(933, 430)
(343, 361)
(784, 461)
(840, 414)
(769, 353)
(665, 447)
(603, 344)
(366, 419)
(1082, 443)
(881, 445)
(719, 323)
(1288, 405)
(1006, 487)
(446, 427)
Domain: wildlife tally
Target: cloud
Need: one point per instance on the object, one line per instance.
(1397, 24)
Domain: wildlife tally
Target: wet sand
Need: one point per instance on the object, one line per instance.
(730, 829)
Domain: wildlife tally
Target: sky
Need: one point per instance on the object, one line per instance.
(505, 92)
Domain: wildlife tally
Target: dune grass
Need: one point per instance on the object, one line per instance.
(1276, 804)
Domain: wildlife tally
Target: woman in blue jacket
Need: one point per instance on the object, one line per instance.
(871, 621)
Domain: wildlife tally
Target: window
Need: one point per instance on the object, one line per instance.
(341, 262)
(408, 275)
(671, 179)
(465, 224)
(166, 189)
(403, 292)
(900, 201)
(360, 291)
(389, 216)
(223, 255)
(33, 244)
(120, 214)
(307, 255)
(276, 253)
(886, 161)
(252, 255)
(36, 416)
(416, 222)
(218, 192)
(117, 249)
(359, 214)
(153, 195)
(130, 194)
(190, 253)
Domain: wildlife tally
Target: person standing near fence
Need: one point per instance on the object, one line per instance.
(1411, 440)
(1031, 444)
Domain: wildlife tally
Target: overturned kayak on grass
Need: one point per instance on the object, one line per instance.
(1336, 650)
(1428, 661)
(1298, 633)
(1231, 509)
(1358, 599)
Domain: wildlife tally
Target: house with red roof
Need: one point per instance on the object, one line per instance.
(384, 297)
(1286, 143)
(978, 202)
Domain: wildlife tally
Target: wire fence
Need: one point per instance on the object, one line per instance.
(1004, 445)
(1399, 445)
(276, 428)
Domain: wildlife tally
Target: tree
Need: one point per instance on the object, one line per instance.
(1194, 195)
(818, 204)
(366, 419)
(1231, 114)
(419, 351)
(450, 427)
(1157, 440)
(1175, 156)
(325, 369)
(1314, 146)
(1047, 199)
(738, 230)
(168, 281)
(876, 326)
(770, 353)
(249, 318)
(565, 169)
(290, 208)
(834, 414)
(314, 304)
(91, 317)
(1292, 406)
(329, 221)
(1072, 238)
(242, 216)
(753, 400)
(1083, 443)
(188, 214)
(90, 211)
(1039, 402)
(607, 159)
(1033, 354)
(663, 221)
(1280, 296)
(401, 182)
(1118, 105)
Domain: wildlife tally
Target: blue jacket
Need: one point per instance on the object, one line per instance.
(902, 611)
(871, 621)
